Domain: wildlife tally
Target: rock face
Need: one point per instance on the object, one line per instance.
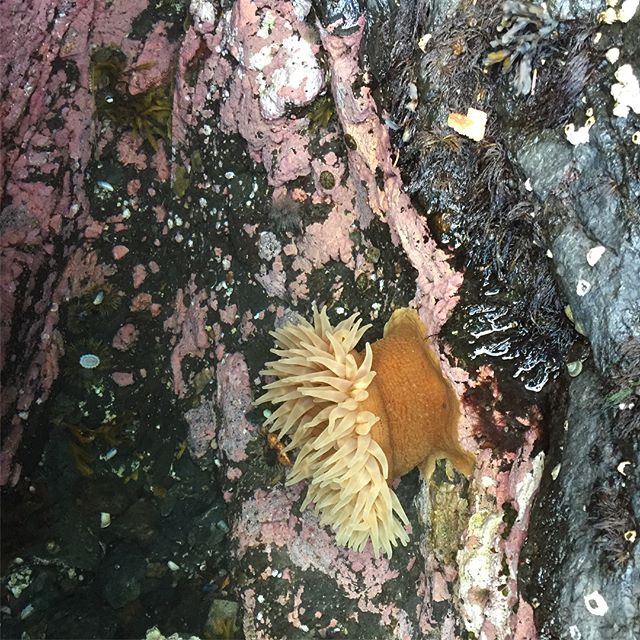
(579, 202)
(167, 256)
(578, 567)
(581, 559)
(593, 234)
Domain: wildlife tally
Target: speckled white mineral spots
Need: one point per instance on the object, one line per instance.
(579, 135)
(626, 11)
(626, 92)
(612, 55)
(623, 466)
(596, 604)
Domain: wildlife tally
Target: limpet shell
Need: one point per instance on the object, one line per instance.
(574, 368)
(89, 361)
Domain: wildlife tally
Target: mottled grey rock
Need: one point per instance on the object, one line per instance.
(544, 160)
(605, 297)
(565, 563)
(577, 569)
(574, 9)
(123, 577)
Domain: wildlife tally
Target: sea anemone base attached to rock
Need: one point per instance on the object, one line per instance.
(361, 419)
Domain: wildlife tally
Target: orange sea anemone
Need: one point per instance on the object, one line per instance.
(359, 420)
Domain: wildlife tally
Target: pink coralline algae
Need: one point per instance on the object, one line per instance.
(153, 64)
(202, 429)
(129, 151)
(122, 378)
(437, 282)
(326, 241)
(200, 48)
(235, 400)
(139, 275)
(279, 66)
(228, 314)
(46, 124)
(119, 251)
(126, 337)
(188, 323)
(267, 521)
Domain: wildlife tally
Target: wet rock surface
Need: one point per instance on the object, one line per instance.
(144, 493)
(581, 524)
(586, 581)
(575, 209)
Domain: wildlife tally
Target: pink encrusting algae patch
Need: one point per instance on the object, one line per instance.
(153, 66)
(126, 337)
(266, 520)
(235, 400)
(40, 210)
(278, 65)
(202, 424)
(437, 282)
(188, 325)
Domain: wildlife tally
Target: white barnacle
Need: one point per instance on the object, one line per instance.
(596, 604)
(594, 254)
(583, 287)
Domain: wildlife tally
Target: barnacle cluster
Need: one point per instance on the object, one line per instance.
(147, 114)
(523, 28)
